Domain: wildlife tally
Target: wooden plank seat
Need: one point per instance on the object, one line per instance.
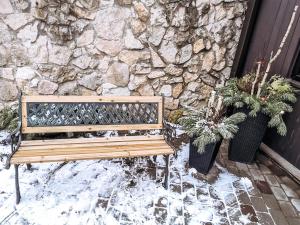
(55, 114)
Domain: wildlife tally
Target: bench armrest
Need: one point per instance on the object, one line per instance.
(15, 142)
(169, 132)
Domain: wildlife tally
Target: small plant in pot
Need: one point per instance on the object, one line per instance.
(207, 128)
(263, 110)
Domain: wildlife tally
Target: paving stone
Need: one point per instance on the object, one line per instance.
(289, 182)
(263, 187)
(278, 217)
(259, 204)
(293, 221)
(219, 207)
(234, 215)
(160, 215)
(230, 199)
(177, 220)
(276, 170)
(272, 180)
(264, 219)
(264, 159)
(243, 197)
(161, 202)
(289, 191)
(175, 188)
(270, 201)
(241, 166)
(257, 175)
(279, 193)
(264, 169)
(287, 209)
(249, 211)
(296, 203)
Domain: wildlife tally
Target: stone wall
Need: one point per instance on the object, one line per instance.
(176, 48)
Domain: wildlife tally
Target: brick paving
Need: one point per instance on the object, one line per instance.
(276, 198)
(272, 199)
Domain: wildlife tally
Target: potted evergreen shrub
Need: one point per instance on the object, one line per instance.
(206, 128)
(265, 99)
(264, 104)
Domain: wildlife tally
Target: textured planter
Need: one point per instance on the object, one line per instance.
(246, 142)
(203, 162)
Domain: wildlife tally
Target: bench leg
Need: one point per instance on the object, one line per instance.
(18, 196)
(28, 166)
(166, 171)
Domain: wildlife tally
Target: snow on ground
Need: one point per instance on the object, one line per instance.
(112, 192)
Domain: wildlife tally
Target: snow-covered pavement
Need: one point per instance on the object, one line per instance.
(126, 191)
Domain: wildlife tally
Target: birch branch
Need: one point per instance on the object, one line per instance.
(256, 77)
(273, 58)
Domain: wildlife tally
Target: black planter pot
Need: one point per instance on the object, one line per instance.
(246, 142)
(203, 162)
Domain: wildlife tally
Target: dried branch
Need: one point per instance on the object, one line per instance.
(256, 77)
(273, 58)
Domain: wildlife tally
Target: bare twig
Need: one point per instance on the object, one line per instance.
(256, 77)
(273, 58)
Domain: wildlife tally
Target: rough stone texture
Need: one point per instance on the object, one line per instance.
(176, 48)
(46, 87)
(8, 91)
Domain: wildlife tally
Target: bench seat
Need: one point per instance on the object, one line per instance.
(62, 150)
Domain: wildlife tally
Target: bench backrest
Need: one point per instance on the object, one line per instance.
(51, 114)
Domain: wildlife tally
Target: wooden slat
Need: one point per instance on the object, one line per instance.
(53, 98)
(58, 129)
(88, 150)
(141, 153)
(91, 140)
(24, 114)
(86, 146)
(89, 156)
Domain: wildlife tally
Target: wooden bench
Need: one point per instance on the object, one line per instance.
(56, 114)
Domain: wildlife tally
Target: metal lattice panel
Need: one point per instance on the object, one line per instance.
(73, 114)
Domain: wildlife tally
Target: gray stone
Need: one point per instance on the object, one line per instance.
(16, 21)
(279, 193)
(146, 90)
(131, 42)
(142, 11)
(38, 51)
(125, 2)
(177, 90)
(156, 35)
(173, 70)
(166, 90)
(8, 90)
(156, 60)
(158, 16)
(136, 81)
(82, 62)
(132, 57)
(28, 33)
(5, 7)
(110, 22)
(5, 36)
(59, 55)
(208, 61)
(137, 26)
(179, 18)
(3, 56)
(110, 47)
(25, 73)
(174, 80)
(168, 51)
(110, 89)
(46, 87)
(156, 74)
(198, 46)
(189, 77)
(117, 74)
(140, 68)
(171, 103)
(91, 81)
(86, 38)
(7, 73)
(193, 86)
(67, 88)
(184, 54)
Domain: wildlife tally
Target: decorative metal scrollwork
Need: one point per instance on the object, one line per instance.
(74, 114)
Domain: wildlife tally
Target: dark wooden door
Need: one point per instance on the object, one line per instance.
(272, 21)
